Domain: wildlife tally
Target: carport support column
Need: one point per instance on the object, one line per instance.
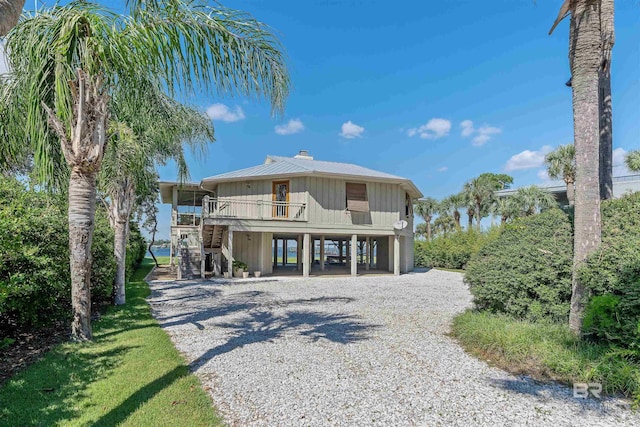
(299, 254)
(306, 266)
(174, 215)
(396, 255)
(354, 255)
(368, 247)
(321, 253)
(230, 252)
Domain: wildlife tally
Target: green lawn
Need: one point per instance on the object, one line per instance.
(130, 375)
(547, 351)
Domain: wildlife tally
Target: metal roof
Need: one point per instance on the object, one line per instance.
(621, 183)
(278, 166)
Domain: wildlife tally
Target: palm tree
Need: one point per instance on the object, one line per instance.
(586, 64)
(607, 36)
(421, 230)
(561, 164)
(633, 160)
(531, 200)
(10, 11)
(456, 201)
(504, 208)
(479, 191)
(426, 208)
(444, 224)
(71, 62)
(149, 129)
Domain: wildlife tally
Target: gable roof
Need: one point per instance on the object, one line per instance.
(283, 166)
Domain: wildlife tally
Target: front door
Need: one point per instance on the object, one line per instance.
(280, 199)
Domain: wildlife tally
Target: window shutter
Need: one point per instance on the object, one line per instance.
(357, 200)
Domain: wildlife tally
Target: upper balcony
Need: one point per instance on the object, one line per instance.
(224, 208)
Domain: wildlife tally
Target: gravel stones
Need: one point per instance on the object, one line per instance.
(361, 351)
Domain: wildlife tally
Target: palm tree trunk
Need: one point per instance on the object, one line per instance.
(122, 199)
(478, 215)
(10, 11)
(429, 229)
(82, 209)
(120, 252)
(571, 192)
(606, 123)
(84, 152)
(585, 52)
(470, 220)
(456, 216)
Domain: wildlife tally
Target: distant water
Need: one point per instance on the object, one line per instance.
(290, 249)
(160, 252)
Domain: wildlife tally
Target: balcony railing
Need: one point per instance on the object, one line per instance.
(261, 210)
(182, 218)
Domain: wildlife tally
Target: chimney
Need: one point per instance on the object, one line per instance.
(304, 155)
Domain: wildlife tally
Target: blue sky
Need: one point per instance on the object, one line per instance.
(437, 92)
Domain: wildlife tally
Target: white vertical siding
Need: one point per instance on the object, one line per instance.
(327, 203)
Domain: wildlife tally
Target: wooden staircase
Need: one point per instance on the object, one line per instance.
(212, 236)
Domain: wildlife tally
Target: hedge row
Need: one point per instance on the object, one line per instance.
(526, 272)
(453, 250)
(35, 284)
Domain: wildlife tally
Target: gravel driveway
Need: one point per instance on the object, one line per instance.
(359, 351)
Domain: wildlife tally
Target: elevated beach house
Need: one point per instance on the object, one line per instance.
(293, 215)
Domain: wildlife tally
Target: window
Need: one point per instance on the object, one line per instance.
(357, 200)
(408, 206)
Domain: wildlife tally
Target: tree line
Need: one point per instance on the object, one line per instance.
(89, 108)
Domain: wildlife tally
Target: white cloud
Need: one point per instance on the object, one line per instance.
(467, 127)
(433, 129)
(527, 159)
(225, 114)
(443, 169)
(482, 134)
(351, 130)
(543, 175)
(292, 126)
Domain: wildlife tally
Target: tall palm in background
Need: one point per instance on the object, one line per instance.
(632, 160)
(504, 208)
(426, 208)
(531, 200)
(70, 63)
(456, 201)
(479, 191)
(10, 11)
(561, 164)
(587, 60)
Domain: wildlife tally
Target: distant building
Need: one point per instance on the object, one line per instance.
(255, 215)
(621, 186)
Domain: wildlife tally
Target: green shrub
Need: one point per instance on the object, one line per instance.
(612, 274)
(526, 271)
(103, 267)
(34, 258)
(453, 250)
(136, 249)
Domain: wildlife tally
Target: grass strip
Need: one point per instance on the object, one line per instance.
(130, 375)
(547, 351)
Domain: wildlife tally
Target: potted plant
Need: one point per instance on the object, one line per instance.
(239, 268)
(257, 273)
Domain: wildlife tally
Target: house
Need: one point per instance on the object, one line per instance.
(621, 185)
(326, 216)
